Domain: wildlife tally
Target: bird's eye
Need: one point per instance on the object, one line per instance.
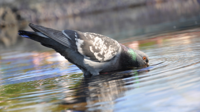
(144, 58)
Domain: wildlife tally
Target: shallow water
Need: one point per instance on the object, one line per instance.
(45, 81)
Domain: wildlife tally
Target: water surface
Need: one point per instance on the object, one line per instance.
(45, 81)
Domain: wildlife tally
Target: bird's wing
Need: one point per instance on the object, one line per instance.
(96, 47)
(92, 46)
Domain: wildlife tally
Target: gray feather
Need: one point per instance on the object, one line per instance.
(53, 34)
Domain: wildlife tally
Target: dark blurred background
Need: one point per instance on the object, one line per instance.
(115, 18)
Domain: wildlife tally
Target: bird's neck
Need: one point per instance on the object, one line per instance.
(128, 58)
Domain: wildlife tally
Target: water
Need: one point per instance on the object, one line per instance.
(45, 81)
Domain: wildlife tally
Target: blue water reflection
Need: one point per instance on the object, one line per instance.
(24, 67)
(45, 81)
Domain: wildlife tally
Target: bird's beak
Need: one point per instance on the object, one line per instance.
(146, 65)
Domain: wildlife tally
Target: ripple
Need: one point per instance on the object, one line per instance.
(48, 82)
(29, 67)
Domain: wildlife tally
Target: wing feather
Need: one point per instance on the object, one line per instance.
(92, 46)
(97, 47)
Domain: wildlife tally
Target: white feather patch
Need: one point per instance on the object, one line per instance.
(79, 42)
(85, 34)
(75, 34)
(99, 44)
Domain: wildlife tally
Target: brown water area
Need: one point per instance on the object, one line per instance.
(37, 79)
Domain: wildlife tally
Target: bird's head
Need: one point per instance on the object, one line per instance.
(139, 57)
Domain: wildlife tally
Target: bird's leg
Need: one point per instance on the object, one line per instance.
(87, 74)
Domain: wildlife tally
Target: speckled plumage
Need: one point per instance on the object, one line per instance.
(92, 53)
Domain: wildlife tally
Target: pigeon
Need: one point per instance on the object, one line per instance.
(92, 53)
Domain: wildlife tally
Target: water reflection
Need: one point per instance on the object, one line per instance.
(97, 93)
(22, 67)
(45, 81)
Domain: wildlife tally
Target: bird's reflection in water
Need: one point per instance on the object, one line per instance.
(99, 92)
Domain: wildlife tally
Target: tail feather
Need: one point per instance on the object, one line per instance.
(48, 37)
(24, 33)
(43, 39)
(37, 36)
(56, 35)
